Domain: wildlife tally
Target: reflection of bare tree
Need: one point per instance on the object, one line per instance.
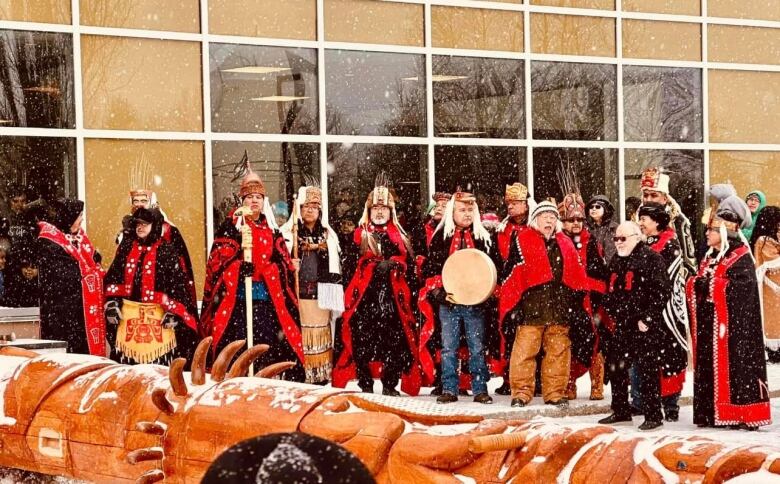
(573, 101)
(483, 96)
(662, 104)
(36, 79)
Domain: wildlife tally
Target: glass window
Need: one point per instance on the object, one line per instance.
(352, 170)
(36, 79)
(375, 93)
(476, 97)
(572, 35)
(486, 169)
(753, 119)
(596, 171)
(372, 22)
(679, 7)
(174, 170)
(44, 11)
(600, 4)
(686, 177)
(141, 84)
(763, 10)
(744, 45)
(282, 166)
(476, 28)
(643, 39)
(588, 93)
(747, 171)
(662, 104)
(294, 19)
(41, 167)
(263, 89)
(175, 15)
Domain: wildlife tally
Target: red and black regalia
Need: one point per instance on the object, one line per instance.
(730, 378)
(377, 332)
(584, 337)
(71, 283)
(422, 234)
(148, 271)
(675, 329)
(274, 312)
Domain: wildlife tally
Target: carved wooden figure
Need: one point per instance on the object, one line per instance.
(90, 418)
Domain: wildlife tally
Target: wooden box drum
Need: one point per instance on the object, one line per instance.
(469, 276)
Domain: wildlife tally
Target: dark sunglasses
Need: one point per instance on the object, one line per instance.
(596, 205)
(622, 239)
(575, 220)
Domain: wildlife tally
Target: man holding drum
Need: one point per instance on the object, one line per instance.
(460, 229)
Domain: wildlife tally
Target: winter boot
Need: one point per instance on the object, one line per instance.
(504, 389)
(650, 425)
(483, 398)
(597, 378)
(447, 398)
(615, 418)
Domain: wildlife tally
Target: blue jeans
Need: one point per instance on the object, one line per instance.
(473, 319)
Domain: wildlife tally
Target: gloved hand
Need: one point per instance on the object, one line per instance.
(246, 270)
(112, 312)
(169, 321)
(438, 295)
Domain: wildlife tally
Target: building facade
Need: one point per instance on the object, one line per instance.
(99, 95)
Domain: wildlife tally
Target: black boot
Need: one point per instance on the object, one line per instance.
(504, 389)
(483, 398)
(390, 392)
(672, 415)
(650, 424)
(615, 418)
(518, 402)
(436, 390)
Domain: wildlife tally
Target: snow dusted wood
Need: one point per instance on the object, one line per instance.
(88, 418)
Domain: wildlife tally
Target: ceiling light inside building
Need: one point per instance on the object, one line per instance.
(280, 98)
(438, 78)
(463, 133)
(5, 121)
(52, 90)
(256, 70)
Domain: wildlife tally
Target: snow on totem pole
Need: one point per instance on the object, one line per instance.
(89, 418)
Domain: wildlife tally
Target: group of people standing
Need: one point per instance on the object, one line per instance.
(576, 293)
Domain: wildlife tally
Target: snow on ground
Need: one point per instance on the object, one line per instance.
(585, 411)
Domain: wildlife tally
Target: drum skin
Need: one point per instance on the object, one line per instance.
(469, 276)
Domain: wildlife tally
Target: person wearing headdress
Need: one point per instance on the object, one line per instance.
(460, 228)
(766, 251)
(717, 193)
(141, 197)
(151, 317)
(517, 205)
(655, 188)
(673, 334)
(730, 376)
(71, 281)
(542, 296)
(320, 293)
(275, 320)
(421, 235)
(585, 356)
(377, 334)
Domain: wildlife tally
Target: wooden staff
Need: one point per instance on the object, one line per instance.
(295, 217)
(246, 245)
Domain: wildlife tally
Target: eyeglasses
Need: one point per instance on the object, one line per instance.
(596, 205)
(622, 239)
(575, 220)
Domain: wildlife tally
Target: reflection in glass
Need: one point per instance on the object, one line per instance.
(476, 28)
(662, 104)
(282, 166)
(596, 171)
(573, 101)
(263, 89)
(686, 177)
(141, 84)
(368, 22)
(747, 171)
(36, 79)
(291, 19)
(486, 169)
(44, 11)
(375, 93)
(476, 97)
(174, 170)
(44, 167)
(751, 120)
(352, 170)
(175, 15)
(572, 35)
